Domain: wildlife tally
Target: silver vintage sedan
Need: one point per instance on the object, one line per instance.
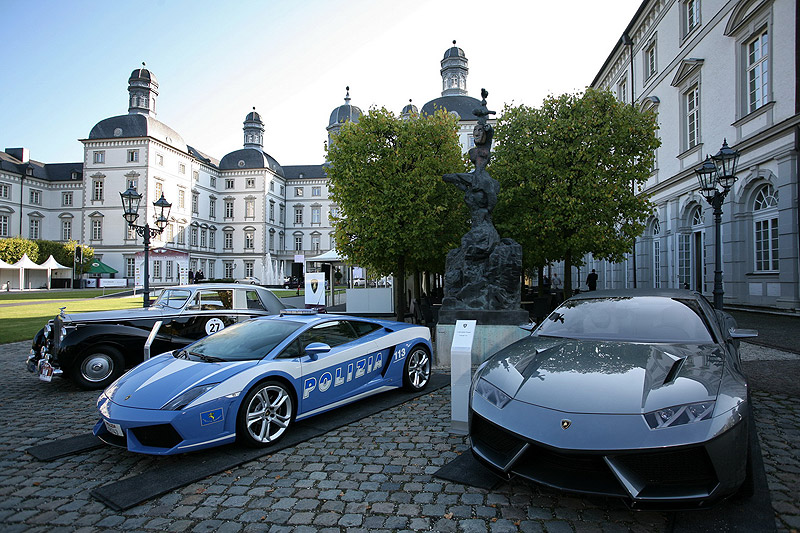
(636, 394)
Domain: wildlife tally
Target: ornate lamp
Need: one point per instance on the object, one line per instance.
(130, 204)
(726, 160)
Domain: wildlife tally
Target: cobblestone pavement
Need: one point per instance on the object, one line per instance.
(370, 476)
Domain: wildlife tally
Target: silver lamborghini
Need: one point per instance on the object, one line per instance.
(632, 394)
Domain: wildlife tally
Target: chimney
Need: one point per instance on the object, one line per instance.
(23, 154)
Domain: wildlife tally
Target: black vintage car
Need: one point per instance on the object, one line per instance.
(93, 349)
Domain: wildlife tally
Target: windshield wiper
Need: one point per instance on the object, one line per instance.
(207, 358)
(180, 354)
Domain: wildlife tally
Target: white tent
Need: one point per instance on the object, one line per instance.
(52, 265)
(35, 277)
(7, 270)
(38, 275)
(331, 256)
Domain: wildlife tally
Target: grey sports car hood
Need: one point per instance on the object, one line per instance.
(609, 377)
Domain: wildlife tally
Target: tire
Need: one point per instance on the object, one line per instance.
(98, 367)
(417, 370)
(266, 414)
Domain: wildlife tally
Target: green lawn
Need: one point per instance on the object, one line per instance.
(21, 322)
(12, 297)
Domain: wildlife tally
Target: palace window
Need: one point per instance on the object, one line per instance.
(298, 243)
(229, 183)
(130, 267)
(249, 208)
(298, 215)
(66, 230)
(5, 190)
(692, 117)
(99, 157)
(316, 215)
(195, 203)
(250, 183)
(181, 199)
(3, 225)
(66, 199)
(133, 156)
(316, 191)
(228, 208)
(36, 197)
(249, 239)
(227, 241)
(765, 229)
(97, 190)
(97, 229)
(757, 71)
(650, 65)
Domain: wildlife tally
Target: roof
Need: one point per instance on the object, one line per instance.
(344, 113)
(247, 158)
(205, 158)
(143, 74)
(137, 125)
(454, 51)
(42, 171)
(308, 171)
(461, 104)
(619, 44)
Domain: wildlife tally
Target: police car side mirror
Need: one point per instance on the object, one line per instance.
(314, 349)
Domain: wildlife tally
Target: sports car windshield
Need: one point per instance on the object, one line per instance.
(248, 341)
(634, 319)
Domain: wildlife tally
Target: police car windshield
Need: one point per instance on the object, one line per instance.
(248, 341)
(174, 298)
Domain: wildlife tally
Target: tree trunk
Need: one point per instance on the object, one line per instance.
(400, 290)
(541, 280)
(567, 274)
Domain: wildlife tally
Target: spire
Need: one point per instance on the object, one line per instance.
(454, 72)
(254, 131)
(142, 92)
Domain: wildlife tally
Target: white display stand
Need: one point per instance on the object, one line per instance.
(315, 289)
(461, 375)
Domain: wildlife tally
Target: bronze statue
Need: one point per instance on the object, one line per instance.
(484, 273)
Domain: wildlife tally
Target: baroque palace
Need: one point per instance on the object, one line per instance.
(242, 215)
(712, 71)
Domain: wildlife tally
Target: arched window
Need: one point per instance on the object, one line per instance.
(765, 229)
(656, 229)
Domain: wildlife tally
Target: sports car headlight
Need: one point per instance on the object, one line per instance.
(492, 394)
(680, 415)
(182, 400)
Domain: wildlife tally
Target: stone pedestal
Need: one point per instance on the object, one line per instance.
(494, 331)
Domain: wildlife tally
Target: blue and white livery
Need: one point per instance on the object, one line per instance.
(253, 380)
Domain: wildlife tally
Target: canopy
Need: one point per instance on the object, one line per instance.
(52, 264)
(98, 267)
(329, 256)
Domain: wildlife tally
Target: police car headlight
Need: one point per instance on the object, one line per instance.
(182, 400)
(492, 394)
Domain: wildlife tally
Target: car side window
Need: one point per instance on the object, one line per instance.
(332, 333)
(253, 301)
(363, 328)
(292, 351)
(212, 300)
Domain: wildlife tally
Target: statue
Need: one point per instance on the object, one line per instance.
(484, 273)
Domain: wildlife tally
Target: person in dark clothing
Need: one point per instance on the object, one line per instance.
(591, 280)
(191, 276)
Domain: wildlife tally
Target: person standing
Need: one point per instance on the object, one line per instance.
(556, 282)
(591, 280)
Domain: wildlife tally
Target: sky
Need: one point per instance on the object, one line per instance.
(66, 64)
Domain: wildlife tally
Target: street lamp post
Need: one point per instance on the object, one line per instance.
(716, 176)
(130, 206)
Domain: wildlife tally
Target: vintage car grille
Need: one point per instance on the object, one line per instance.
(56, 334)
(158, 436)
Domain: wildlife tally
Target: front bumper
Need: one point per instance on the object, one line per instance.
(159, 432)
(613, 455)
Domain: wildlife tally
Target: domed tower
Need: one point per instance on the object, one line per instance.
(254, 131)
(142, 90)
(454, 72)
(342, 114)
(409, 110)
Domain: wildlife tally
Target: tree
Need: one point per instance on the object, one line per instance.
(571, 173)
(13, 248)
(397, 216)
(64, 253)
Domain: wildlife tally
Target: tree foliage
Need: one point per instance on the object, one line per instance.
(12, 250)
(397, 216)
(570, 172)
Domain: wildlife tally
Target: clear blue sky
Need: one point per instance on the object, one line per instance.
(66, 63)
